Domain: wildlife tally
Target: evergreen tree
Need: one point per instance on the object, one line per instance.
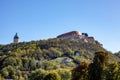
(96, 69)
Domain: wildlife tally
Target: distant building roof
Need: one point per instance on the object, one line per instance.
(92, 38)
(16, 36)
(70, 33)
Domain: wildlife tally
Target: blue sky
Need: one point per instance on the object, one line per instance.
(43, 19)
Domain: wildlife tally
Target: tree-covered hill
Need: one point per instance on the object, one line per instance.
(48, 48)
(51, 54)
(53, 48)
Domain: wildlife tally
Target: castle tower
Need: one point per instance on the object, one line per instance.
(16, 38)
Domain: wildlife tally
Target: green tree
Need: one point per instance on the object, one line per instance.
(21, 78)
(32, 64)
(96, 69)
(25, 77)
(48, 65)
(52, 76)
(68, 51)
(65, 74)
(38, 53)
(8, 72)
(113, 72)
(13, 61)
(54, 52)
(38, 74)
(4, 72)
(18, 61)
(10, 61)
(25, 63)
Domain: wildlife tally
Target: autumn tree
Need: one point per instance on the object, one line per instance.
(1, 78)
(80, 72)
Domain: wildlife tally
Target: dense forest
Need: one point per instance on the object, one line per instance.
(57, 59)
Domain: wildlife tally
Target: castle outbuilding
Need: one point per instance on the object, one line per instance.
(76, 35)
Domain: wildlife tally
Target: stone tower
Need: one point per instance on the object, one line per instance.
(16, 38)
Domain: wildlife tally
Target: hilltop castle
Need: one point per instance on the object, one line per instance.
(16, 38)
(73, 35)
(77, 36)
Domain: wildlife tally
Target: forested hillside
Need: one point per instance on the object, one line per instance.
(25, 59)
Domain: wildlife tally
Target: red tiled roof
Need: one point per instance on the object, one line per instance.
(69, 33)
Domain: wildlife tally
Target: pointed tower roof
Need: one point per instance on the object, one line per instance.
(16, 36)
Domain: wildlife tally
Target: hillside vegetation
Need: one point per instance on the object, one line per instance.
(22, 59)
